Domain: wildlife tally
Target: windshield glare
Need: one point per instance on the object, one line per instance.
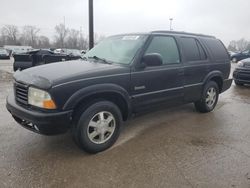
(118, 49)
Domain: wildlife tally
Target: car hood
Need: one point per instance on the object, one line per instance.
(53, 74)
(246, 61)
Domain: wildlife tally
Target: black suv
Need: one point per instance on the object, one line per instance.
(121, 76)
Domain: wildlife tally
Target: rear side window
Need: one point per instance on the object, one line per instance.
(203, 55)
(217, 48)
(167, 47)
(192, 49)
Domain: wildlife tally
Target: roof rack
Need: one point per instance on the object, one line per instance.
(183, 33)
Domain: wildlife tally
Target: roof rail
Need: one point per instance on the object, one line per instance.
(183, 33)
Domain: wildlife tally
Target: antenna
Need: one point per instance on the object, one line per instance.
(170, 24)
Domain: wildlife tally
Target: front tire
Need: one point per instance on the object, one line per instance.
(209, 98)
(98, 127)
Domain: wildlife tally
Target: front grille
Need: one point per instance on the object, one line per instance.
(21, 92)
(247, 66)
(244, 76)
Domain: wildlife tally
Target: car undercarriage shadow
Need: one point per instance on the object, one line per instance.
(64, 145)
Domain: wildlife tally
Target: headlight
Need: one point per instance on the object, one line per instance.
(240, 64)
(40, 98)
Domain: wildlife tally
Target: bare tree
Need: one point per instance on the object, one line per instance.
(98, 38)
(73, 39)
(242, 44)
(2, 41)
(61, 35)
(232, 46)
(83, 43)
(30, 35)
(43, 42)
(248, 46)
(10, 34)
(239, 45)
(64, 37)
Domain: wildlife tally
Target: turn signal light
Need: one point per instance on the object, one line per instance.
(49, 104)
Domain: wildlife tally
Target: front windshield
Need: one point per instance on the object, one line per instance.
(118, 49)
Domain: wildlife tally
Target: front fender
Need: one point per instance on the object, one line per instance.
(96, 89)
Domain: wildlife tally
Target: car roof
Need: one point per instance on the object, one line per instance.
(181, 33)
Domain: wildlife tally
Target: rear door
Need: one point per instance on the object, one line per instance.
(195, 67)
(159, 84)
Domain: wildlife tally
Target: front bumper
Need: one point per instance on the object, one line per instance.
(47, 123)
(4, 57)
(242, 75)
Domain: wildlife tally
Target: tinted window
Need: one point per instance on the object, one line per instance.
(190, 49)
(166, 46)
(217, 48)
(203, 55)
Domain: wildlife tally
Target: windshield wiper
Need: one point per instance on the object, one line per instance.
(100, 59)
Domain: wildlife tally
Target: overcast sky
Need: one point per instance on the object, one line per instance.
(226, 19)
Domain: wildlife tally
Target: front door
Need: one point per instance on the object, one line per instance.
(159, 84)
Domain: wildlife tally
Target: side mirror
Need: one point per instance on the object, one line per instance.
(153, 59)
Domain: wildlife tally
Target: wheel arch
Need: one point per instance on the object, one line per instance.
(215, 76)
(110, 92)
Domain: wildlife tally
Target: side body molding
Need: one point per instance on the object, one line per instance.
(96, 89)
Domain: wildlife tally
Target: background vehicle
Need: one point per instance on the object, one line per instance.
(241, 74)
(39, 57)
(73, 52)
(18, 49)
(59, 51)
(231, 53)
(4, 54)
(239, 56)
(120, 76)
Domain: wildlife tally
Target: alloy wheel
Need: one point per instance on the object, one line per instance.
(211, 97)
(101, 127)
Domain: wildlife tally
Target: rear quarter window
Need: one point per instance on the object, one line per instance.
(217, 49)
(192, 49)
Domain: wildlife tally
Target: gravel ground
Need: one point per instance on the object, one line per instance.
(6, 69)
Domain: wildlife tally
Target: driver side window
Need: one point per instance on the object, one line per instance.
(165, 46)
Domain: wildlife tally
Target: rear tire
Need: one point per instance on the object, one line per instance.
(209, 98)
(98, 127)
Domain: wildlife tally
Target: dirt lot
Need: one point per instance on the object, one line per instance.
(7, 65)
(175, 147)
